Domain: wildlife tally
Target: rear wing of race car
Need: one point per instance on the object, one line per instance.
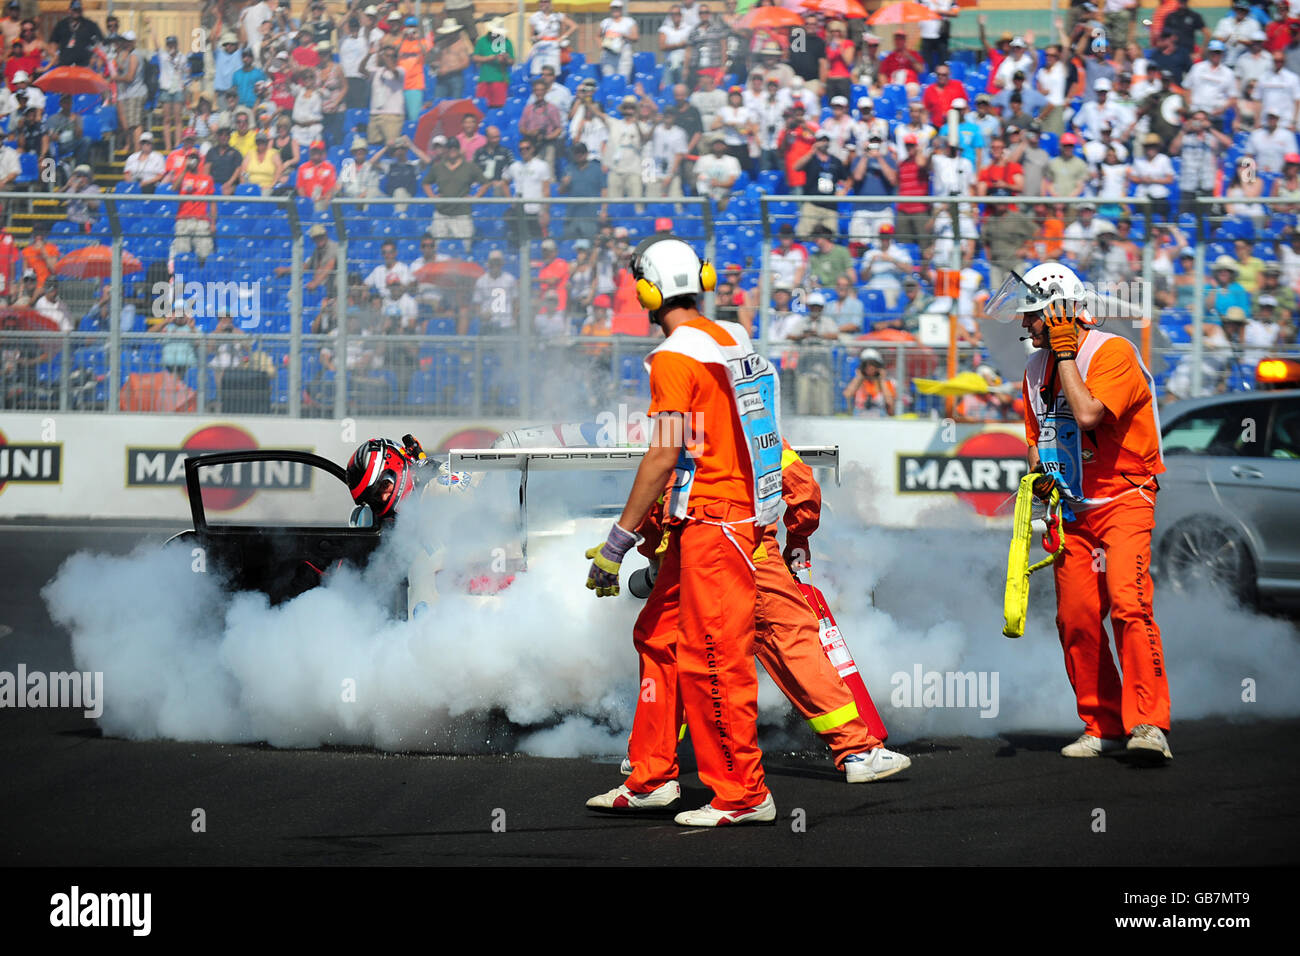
(525, 460)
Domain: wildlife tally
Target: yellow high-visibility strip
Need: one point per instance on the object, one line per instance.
(1015, 603)
(788, 457)
(836, 718)
(681, 733)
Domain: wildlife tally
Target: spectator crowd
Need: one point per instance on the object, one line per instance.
(323, 100)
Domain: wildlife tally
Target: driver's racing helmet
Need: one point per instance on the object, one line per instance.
(1043, 285)
(376, 466)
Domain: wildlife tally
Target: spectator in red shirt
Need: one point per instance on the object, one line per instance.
(795, 142)
(1000, 177)
(317, 178)
(1279, 33)
(996, 53)
(175, 164)
(304, 55)
(9, 258)
(901, 58)
(19, 62)
(840, 56)
(913, 180)
(939, 95)
(193, 219)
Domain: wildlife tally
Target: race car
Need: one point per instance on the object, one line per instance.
(283, 558)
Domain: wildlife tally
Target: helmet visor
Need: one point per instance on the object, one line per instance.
(1010, 299)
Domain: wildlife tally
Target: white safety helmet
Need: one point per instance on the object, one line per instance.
(1045, 284)
(667, 268)
(871, 355)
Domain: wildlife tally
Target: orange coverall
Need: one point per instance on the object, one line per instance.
(695, 635)
(1106, 567)
(786, 630)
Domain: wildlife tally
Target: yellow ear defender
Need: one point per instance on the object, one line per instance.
(650, 296)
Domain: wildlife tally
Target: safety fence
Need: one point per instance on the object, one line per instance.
(286, 306)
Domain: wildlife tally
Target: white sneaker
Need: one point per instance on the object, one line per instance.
(707, 816)
(874, 765)
(1148, 742)
(625, 768)
(621, 798)
(1090, 746)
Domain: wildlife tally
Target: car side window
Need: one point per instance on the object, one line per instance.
(1234, 430)
(1284, 434)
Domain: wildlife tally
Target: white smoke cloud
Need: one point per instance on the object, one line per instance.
(546, 668)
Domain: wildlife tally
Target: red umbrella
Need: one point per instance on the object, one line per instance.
(770, 18)
(156, 392)
(921, 362)
(448, 272)
(903, 12)
(444, 119)
(72, 80)
(18, 319)
(95, 262)
(838, 9)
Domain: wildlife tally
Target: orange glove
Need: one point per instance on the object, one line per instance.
(1042, 487)
(1062, 332)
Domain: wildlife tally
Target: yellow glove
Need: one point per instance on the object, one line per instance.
(606, 559)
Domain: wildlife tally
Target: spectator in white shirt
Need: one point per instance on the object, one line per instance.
(885, 265)
(1278, 91)
(1211, 84)
(1254, 63)
(673, 34)
(1080, 234)
(1052, 81)
(1103, 112)
(145, 166)
(1020, 60)
(716, 172)
(531, 178)
(1235, 30)
(1270, 145)
(788, 262)
(1152, 173)
(390, 268)
(666, 150)
(839, 126)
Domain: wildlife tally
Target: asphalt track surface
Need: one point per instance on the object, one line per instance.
(73, 798)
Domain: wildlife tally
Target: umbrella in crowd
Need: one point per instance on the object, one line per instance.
(156, 392)
(95, 262)
(921, 362)
(71, 80)
(18, 319)
(842, 9)
(770, 18)
(448, 273)
(444, 119)
(904, 12)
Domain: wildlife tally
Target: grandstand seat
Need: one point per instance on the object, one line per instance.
(356, 117)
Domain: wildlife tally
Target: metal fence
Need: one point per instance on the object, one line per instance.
(247, 315)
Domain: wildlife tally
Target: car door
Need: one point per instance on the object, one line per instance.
(283, 544)
(1275, 482)
(1211, 453)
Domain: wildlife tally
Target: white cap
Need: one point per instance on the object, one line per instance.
(1102, 84)
(816, 299)
(129, 36)
(21, 77)
(959, 103)
(839, 101)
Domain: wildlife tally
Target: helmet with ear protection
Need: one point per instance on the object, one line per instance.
(667, 268)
